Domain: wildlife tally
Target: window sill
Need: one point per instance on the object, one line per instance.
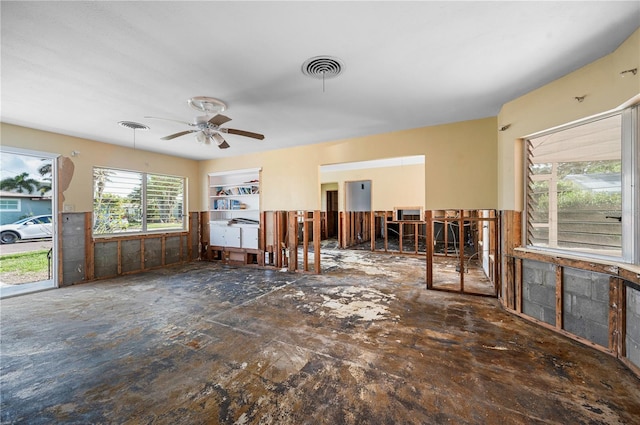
(139, 235)
(626, 271)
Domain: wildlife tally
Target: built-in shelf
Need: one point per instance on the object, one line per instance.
(234, 209)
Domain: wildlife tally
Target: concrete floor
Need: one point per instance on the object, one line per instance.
(364, 343)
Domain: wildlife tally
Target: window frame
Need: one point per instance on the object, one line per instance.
(18, 205)
(144, 204)
(630, 175)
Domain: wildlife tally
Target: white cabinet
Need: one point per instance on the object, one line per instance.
(233, 236)
(250, 237)
(224, 235)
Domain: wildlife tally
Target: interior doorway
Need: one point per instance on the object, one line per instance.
(28, 219)
(332, 214)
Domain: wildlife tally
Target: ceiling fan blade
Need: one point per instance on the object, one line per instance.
(219, 120)
(243, 133)
(169, 119)
(222, 144)
(173, 136)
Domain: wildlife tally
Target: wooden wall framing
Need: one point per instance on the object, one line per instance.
(461, 218)
(284, 232)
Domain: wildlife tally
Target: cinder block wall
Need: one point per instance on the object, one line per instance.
(73, 248)
(539, 291)
(120, 255)
(585, 310)
(632, 342)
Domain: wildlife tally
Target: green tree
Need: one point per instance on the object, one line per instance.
(45, 172)
(164, 197)
(21, 183)
(101, 201)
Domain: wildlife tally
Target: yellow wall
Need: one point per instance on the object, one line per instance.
(554, 104)
(80, 191)
(460, 165)
(398, 186)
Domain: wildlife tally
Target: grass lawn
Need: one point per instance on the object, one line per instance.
(24, 262)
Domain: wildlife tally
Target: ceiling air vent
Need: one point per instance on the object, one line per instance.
(133, 125)
(323, 67)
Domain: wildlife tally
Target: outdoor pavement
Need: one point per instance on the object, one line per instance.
(25, 246)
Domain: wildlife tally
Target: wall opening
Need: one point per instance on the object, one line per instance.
(28, 216)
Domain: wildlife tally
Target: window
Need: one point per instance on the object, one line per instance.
(579, 190)
(9, 205)
(43, 219)
(129, 202)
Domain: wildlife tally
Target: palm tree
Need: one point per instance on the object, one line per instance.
(45, 171)
(21, 183)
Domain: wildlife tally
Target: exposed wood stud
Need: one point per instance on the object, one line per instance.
(305, 242)
(316, 241)
(89, 263)
(143, 262)
(428, 216)
(461, 247)
(518, 284)
(615, 287)
(559, 297)
(293, 240)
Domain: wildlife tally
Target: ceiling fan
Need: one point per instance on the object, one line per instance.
(208, 130)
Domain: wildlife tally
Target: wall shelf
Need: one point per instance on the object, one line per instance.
(234, 209)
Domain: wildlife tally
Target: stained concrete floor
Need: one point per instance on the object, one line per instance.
(364, 343)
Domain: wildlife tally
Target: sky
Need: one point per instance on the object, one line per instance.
(12, 164)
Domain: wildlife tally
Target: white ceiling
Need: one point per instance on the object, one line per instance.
(77, 68)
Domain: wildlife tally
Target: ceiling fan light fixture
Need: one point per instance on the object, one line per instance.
(219, 139)
(208, 105)
(201, 137)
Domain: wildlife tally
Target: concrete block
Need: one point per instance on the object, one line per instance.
(537, 311)
(600, 287)
(587, 318)
(72, 272)
(633, 328)
(172, 250)
(549, 279)
(106, 259)
(73, 247)
(72, 224)
(549, 315)
(574, 324)
(531, 309)
(633, 351)
(152, 252)
(591, 310)
(568, 303)
(543, 295)
(130, 251)
(632, 342)
(598, 333)
(633, 301)
(576, 281)
(533, 271)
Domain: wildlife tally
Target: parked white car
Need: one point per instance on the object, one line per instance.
(36, 227)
